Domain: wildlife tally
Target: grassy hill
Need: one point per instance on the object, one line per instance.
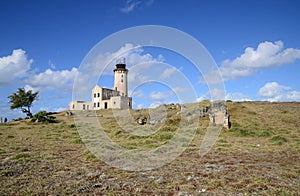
(260, 154)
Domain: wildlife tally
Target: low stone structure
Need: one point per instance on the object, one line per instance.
(218, 114)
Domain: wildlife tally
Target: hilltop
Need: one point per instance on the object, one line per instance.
(258, 155)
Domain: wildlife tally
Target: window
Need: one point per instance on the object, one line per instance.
(83, 106)
(121, 80)
(98, 104)
(114, 103)
(98, 94)
(94, 95)
(122, 75)
(73, 106)
(95, 105)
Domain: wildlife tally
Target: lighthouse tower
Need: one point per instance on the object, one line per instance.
(120, 83)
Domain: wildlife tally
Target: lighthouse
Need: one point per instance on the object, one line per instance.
(120, 77)
(105, 98)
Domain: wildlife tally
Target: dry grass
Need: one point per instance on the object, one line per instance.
(258, 155)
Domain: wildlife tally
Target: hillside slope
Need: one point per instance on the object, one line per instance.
(260, 154)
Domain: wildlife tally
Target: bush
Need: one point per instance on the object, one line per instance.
(42, 116)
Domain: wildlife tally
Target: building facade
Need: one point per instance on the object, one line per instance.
(105, 98)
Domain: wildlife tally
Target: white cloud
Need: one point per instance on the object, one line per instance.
(236, 96)
(134, 55)
(14, 66)
(137, 94)
(140, 106)
(168, 72)
(267, 54)
(273, 91)
(131, 5)
(51, 64)
(28, 87)
(213, 94)
(49, 80)
(179, 90)
(160, 96)
(154, 105)
(54, 109)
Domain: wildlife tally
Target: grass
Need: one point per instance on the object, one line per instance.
(22, 156)
(279, 140)
(258, 155)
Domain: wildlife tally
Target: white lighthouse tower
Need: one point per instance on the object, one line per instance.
(120, 83)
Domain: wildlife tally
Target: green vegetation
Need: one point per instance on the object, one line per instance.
(278, 139)
(43, 116)
(23, 99)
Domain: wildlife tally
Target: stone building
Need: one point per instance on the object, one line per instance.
(104, 98)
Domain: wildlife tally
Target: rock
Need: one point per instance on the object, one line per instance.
(160, 179)
(97, 185)
(69, 113)
(142, 120)
(178, 106)
(153, 122)
(189, 178)
(163, 120)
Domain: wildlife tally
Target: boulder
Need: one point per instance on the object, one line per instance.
(142, 120)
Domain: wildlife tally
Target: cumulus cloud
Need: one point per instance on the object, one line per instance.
(267, 54)
(49, 80)
(272, 91)
(134, 55)
(14, 66)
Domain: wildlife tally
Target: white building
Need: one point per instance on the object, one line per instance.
(104, 98)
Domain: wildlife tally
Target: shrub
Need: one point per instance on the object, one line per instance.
(42, 116)
(72, 126)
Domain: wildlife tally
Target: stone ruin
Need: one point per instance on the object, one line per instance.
(218, 114)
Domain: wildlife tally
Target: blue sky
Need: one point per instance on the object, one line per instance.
(254, 43)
